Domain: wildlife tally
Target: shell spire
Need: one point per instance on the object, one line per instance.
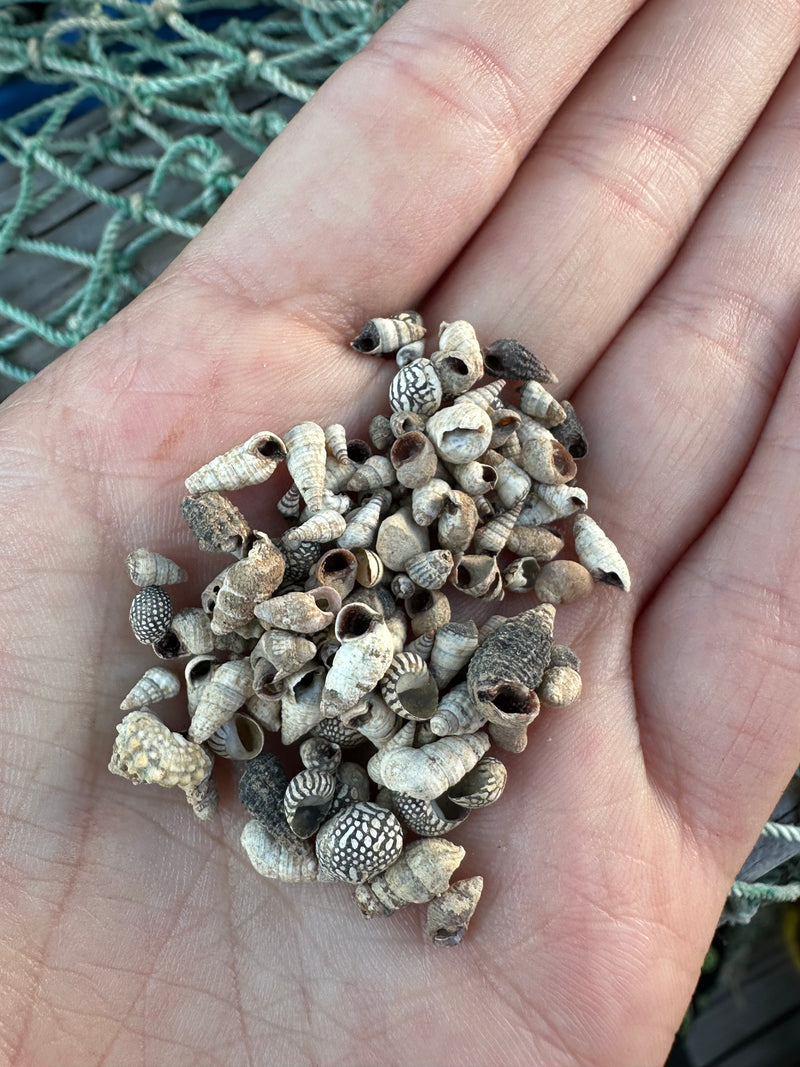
(305, 444)
(250, 463)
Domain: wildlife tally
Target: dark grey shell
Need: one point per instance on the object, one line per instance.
(261, 791)
(508, 358)
(570, 433)
(335, 730)
(358, 843)
(216, 523)
(151, 614)
(507, 668)
(564, 656)
(300, 557)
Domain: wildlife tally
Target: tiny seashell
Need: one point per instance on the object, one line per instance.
(261, 788)
(429, 771)
(507, 668)
(235, 644)
(562, 582)
(337, 474)
(430, 570)
(227, 690)
(352, 787)
(536, 542)
(491, 626)
(191, 628)
(247, 583)
(449, 915)
(408, 688)
(362, 525)
(151, 614)
(549, 503)
(300, 557)
(460, 434)
(266, 711)
(216, 523)
(155, 684)
(504, 425)
(543, 457)
(427, 818)
(520, 575)
(402, 586)
(208, 598)
(399, 539)
(149, 568)
(428, 609)
(380, 433)
(375, 473)
(416, 387)
(305, 459)
(513, 483)
(304, 613)
(509, 359)
(408, 353)
(289, 503)
(485, 508)
(240, 738)
(493, 536)
(457, 713)
(486, 397)
(273, 859)
(570, 433)
(203, 799)
(511, 736)
(318, 754)
(366, 651)
(250, 463)
(481, 786)
(598, 553)
(458, 521)
(307, 800)
(427, 501)
(369, 567)
(324, 526)
(560, 687)
(403, 738)
(534, 400)
(422, 646)
(333, 729)
(286, 650)
(476, 479)
(403, 422)
(335, 569)
(381, 600)
(414, 459)
(198, 672)
(300, 703)
(459, 361)
(336, 442)
(381, 336)
(373, 718)
(478, 576)
(453, 647)
(422, 872)
(145, 750)
(339, 502)
(358, 843)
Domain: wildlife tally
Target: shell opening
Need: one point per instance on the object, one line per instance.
(168, 646)
(407, 447)
(510, 698)
(270, 449)
(354, 620)
(448, 935)
(358, 451)
(419, 601)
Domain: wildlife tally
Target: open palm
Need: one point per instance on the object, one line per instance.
(664, 293)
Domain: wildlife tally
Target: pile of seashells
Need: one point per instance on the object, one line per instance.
(337, 633)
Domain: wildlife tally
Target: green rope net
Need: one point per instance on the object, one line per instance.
(123, 126)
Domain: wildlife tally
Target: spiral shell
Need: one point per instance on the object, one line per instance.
(428, 500)
(408, 353)
(428, 609)
(273, 859)
(430, 570)
(352, 787)
(240, 738)
(362, 525)
(452, 649)
(203, 798)
(416, 387)
(285, 650)
(422, 646)
(457, 522)
(422, 872)
(366, 651)
(375, 473)
(289, 503)
(146, 750)
(247, 464)
(323, 526)
(457, 713)
(149, 568)
(493, 536)
(476, 479)
(216, 523)
(337, 570)
(261, 789)
(513, 736)
(449, 915)
(414, 459)
(599, 554)
(317, 754)
(155, 684)
(486, 397)
(479, 576)
(381, 336)
(247, 583)
(509, 359)
(560, 687)
(481, 786)
(151, 614)
(513, 483)
(520, 575)
(305, 444)
(535, 542)
(369, 567)
(380, 432)
(299, 557)
(229, 687)
(570, 433)
(373, 718)
(198, 672)
(408, 688)
(358, 843)
(459, 361)
(460, 434)
(551, 502)
(429, 771)
(505, 422)
(307, 800)
(427, 818)
(303, 613)
(192, 631)
(265, 710)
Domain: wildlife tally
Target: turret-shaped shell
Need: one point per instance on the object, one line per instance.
(457, 522)
(300, 704)
(404, 738)
(247, 464)
(302, 613)
(543, 457)
(428, 500)
(428, 609)
(422, 872)
(323, 526)
(457, 713)
(336, 442)
(507, 668)
(429, 771)
(449, 915)
(520, 575)
(486, 397)
(534, 400)
(452, 649)
(155, 684)
(460, 434)
(216, 523)
(479, 576)
(513, 736)
(416, 387)
(414, 459)
(422, 646)
(551, 502)
(191, 629)
(227, 690)
(151, 614)
(149, 568)
(274, 859)
(358, 843)
(399, 539)
(289, 503)
(380, 432)
(362, 660)
(337, 474)
(373, 718)
(598, 553)
(240, 738)
(430, 570)
(427, 818)
(459, 361)
(307, 800)
(375, 473)
(247, 583)
(362, 525)
(509, 359)
(381, 336)
(481, 786)
(305, 459)
(570, 432)
(537, 542)
(146, 750)
(513, 483)
(562, 582)
(369, 567)
(408, 688)
(336, 569)
(492, 537)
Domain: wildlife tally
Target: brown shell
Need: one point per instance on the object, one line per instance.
(560, 687)
(520, 575)
(246, 584)
(562, 582)
(216, 523)
(449, 915)
(399, 539)
(414, 458)
(458, 521)
(337, 569)
(303, 613)
(322, 526)
(428, 609)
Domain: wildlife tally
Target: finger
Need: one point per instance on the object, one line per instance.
(598, 209)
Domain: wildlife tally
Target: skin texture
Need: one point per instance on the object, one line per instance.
(632, 217)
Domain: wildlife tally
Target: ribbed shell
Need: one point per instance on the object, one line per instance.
(461, 433)
(156, 684)
(285, 650)
(459, 361)
(598, 553)
(486, 397)
(512, 736)
(358, 843)
(414, 459)
(307, 800)
(427, 818)
(513, 483)
(305, 459)
(457, 713)
(203, 799)
(336, 442)
(534, 400)
(481, 786)
(380, 432)
(430, 570)
(386, 335)
(289, 503)
(324, 526)
(421, 873)
(303, 613)
(452, 649)
(240, 738)
(511, 664)
(273, 859)
(216, 523)
(149, 568)
(422, 645)
(493, 536)
(404, 738)
(151, 614)
(562, 582)
(228, 689)
(362, 525)
(508, 358)
(192, 630)
(475, 478)
(408, 689)
(375, 473)
(416, 387)
(429, 771)
(537, 542)
(261, 789)
(333, 729)
(551, 502)
(570, 433)
(373, 718)
(250, 463)
(458, 521)
(449, 915)
(403, 422)
(146, 750)
(266, 711)
(247, 583)
(399, 539)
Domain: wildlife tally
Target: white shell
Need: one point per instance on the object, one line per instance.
(305, 459)
(155, 684)
(247, 464)
(360, 662)
(460, 434)
(274, 860)
(598, 553)
(427, 772)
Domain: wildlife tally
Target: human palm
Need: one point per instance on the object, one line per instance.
(134, 933)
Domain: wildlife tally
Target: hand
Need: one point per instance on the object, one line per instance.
(658, 276)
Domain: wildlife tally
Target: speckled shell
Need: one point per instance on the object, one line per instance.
(362, 525)
(366, 651)
(510, 359)
(457, 522)
(300, 704)
(300, 557)
(149, 568)
(240, 738)
(247, 464)
(421, 873)
(430, 570)
(479, 576)
(336, 569)
(246, 584)
(323, 526)
(369, 567)
(562, 582)
(408, 688)
(146, 750)
(461, 433)
(457, 713)
(520, 575)
(380, 432)
(427, 818)
(428, 609)
(416, 387)
(459, 361)
(560, 687)
(151, 614)
(551, 502)
(481, 786)
(413, 457)
(452, 649)
(307, 800)
(358, 843)
(375, 473)
(381, 336)
(373, 718)
(449, 915)
(570, 433)
(493, 536)
(155, 684)
(303, 613)
(506, 669)
(273, 859)
(317, 754)
(429, 771)
(536, 542)
(598, 553)
(216, 523)
(191, 628)
(305, 459)
(475, 478)
(399, 539)
(543, 457)
(229, 687)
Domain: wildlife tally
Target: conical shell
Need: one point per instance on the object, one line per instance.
(289, 503)
(479, 576)
(429, 771)
(246, 584)
(422, 872)
(324, 526)
(551, 502)
(149, 568)
(273, 859)
(493, 536)
(481, 786)
(430, 570)
(336, 569)
(460, 434)
(146, 750)
(598, 553)
(408, 353)
(506, 669)
(381, 336)
(151, 614)
(513, 483)
(337, 474)
(216, 523)
(307, 800)
(428, 500)
(408, 688)
(570, 433)
(226, 692)
(358, 843)
(486, 397)
(362, 525)
(422, 646)
(509, 359)
(369, 567)
(449, 915)
(336, 442)
(198, 672)
(459, 361)
(536, 542)
(380, 433)
(452, 649)
(155, 684)
(399, 539)
(520, 576)
(476, 479)
(457, 713)
(303, 613)
(427, 818)
(512, 449)
(373, 718)
(366, 651)
(543, 457)
(414, 459)
(457, 522)
(191, 628)
(317, 754)
(562, 582)
(428, 609)
(560, 687)
(416, 387)
(300, 704)
(377, 472)
(305, 459)
(240, 738)
(247, 464)
(534, 400)
(504, 425)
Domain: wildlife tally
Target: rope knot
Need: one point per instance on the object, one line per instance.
(34, 48)
(159, 11)
(137, 205)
